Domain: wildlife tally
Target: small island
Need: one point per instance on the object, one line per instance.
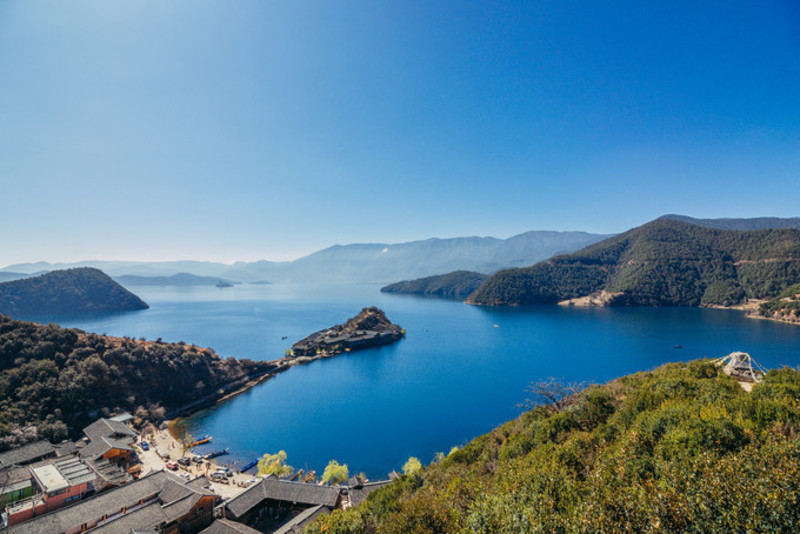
(370, 328)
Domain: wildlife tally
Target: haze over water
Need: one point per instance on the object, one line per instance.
(460, 371)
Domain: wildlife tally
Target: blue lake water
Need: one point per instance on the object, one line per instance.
(460, 371)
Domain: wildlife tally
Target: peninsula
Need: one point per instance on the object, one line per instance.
(370, 328)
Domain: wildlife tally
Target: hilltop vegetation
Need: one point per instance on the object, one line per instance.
(663, 263)
(456, 285)
(53, 381)
(755, 223)
(71, 291)
(681, 449)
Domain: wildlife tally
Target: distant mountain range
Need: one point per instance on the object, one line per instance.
(180, 279)
(72, 291)
(361, 263)
(663, 263)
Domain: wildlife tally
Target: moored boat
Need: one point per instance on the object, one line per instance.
(200, 441)
(214, 454)
(249, 466)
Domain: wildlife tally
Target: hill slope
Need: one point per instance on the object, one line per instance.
(456, 285)
(78, 290)
(662, 263)
(54, 381)
(679, 449)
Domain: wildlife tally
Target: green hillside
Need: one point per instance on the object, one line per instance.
(680, 449)
(71, 291)
(54, 381)
(663, 263)
(784, 307)
(456, 285)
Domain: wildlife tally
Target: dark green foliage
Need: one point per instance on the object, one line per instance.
(54, 381)
(663, 263)
(681, 449)
(785, 306)
(755, 223)
(70, 291)
(455, 285)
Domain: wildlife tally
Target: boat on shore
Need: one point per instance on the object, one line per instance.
(200, 441)
(214, 454)
(249, 465)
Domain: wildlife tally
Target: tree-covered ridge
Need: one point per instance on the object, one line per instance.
(70, 291)
(456, 285)
(680, 449)
(727, 223)
(54, 381)
(662, 263)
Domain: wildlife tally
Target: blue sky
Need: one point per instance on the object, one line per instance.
(267, 130)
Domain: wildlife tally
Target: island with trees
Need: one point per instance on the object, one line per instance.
(370, 328)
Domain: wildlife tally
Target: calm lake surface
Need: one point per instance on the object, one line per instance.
(460, 371)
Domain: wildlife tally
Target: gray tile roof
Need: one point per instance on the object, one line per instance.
(151, 515)
(283, 490)
(100, 445)
(27, 453)
(107, 428)
(247, 500)
(226, 526)
(112, 501)
(299, 522)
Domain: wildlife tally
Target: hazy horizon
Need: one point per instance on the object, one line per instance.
(208, 131)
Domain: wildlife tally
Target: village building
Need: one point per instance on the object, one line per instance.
(108, 439)
(226, 526)
(286, 507)
(271, 502)
(159, 502)
(57, 483)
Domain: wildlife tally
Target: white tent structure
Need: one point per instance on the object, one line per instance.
(742, 367)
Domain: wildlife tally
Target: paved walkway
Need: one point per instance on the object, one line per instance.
(163, 442)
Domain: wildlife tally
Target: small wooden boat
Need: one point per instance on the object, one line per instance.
(200, 441)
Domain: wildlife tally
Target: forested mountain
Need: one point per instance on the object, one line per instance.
(756, 223)
(456, 285)
(180, 279)
(54, 381)
(366, 263)
(680, 449)
(663, 263)
(71, 291)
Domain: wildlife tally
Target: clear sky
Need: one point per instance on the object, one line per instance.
(253, 129)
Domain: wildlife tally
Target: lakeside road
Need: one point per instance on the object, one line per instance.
(162, 442)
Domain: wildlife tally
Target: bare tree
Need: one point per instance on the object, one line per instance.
(551, 394)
